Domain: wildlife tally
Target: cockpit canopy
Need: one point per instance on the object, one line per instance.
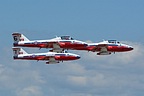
(113, 41)
(66, 38)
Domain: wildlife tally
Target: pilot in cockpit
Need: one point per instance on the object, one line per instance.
(66, 38)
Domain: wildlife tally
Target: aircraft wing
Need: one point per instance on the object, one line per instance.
(54, 45)
(101, 49)
(51, 44)
(51, 60)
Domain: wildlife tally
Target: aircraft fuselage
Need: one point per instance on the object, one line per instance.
(67, 44)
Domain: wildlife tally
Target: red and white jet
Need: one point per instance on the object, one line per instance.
(51, 57)
(107, 47)
(57, 44)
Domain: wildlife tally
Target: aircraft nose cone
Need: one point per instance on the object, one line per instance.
(130, 48)
(78, 57)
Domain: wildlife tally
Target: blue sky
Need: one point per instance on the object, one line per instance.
(120, 74)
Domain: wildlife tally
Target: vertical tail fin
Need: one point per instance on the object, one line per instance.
(19, 37)
(18, 51)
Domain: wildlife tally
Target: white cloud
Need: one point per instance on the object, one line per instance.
(16, 77)
(1, 69)
(119, 74)
(73, 69)
(117, 58)
(13, 78)
(78, 94)
(30, 91)
(131, 56)
(77, 80)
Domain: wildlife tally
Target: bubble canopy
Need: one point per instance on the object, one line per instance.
(113, 41)
(66, 38)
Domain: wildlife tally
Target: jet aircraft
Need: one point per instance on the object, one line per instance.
(50, 57)
(107, 47)
(57, 44)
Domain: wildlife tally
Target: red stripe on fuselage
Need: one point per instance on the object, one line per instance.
(60, 58)
(109, 48)
(118, 48)
(66, 45)
(42, 45)
(71, 45)
(32, 58)
(65, 58)
(87, 48)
